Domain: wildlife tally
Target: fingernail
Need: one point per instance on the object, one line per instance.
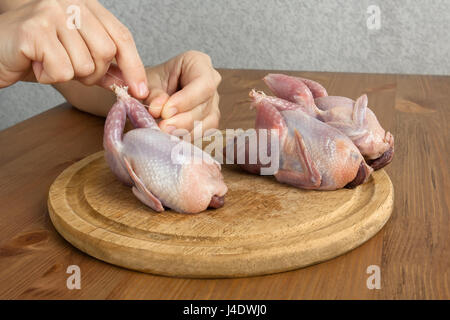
(143, 90)
(171, 112)
(169, 129)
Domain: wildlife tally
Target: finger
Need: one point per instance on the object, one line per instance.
(193, 94)
(187, 120)
(158, 95)
(100, 45)
(213, 117)
(127, 56)
(52, 63)
(210, 122)
(156, 100)
(78, 52)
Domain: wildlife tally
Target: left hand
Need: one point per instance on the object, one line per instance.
(184, 90)
(36, 44)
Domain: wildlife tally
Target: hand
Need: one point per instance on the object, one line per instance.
(36, 42)
(184, 90)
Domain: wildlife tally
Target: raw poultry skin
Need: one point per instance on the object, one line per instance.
(142, 158)
(353, 118)
(312, 154)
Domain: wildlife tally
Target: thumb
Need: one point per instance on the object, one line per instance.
(157, 97)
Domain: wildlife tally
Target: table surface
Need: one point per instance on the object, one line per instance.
(412, 250)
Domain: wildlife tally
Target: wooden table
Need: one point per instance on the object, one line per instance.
(412, 250)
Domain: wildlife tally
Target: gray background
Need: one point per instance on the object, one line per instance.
(325, 35)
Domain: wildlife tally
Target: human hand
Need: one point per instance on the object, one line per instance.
(36, 43)
(184, 90)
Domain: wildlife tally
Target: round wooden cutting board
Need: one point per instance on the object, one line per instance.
(264, 227)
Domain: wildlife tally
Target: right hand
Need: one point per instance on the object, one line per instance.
(37, 44)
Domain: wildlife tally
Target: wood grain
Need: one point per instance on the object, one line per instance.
(412, 249)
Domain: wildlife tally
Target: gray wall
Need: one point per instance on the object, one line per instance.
(312, 35)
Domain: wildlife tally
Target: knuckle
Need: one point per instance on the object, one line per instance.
(207, 58)
(67, 76)
(64, 75)
(108, 52)
(124, 35)
(35, 25)
(211, 86)
(85, 69)
(191, 53)
(89, 81)
(27, 28)
(44, 25)
(198, 55)
(217, 77)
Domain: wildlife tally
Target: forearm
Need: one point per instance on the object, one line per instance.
(92, 99)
